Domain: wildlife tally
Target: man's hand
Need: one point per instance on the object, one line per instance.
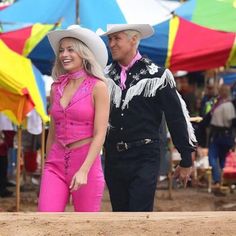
(183, 174)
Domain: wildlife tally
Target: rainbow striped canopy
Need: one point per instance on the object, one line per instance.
(213, 14)
(24, 40)
(182, 45)
(178, 44)
(21, 86)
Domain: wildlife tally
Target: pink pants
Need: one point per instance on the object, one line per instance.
(60, 166)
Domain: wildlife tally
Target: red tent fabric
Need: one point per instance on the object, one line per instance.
(15, 40)
(196, 48)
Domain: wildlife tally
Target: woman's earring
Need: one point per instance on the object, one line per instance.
(84, 63)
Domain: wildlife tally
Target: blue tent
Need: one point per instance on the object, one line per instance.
(28, 12)
(228, 77)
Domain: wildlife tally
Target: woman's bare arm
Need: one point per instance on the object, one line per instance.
(102, 106)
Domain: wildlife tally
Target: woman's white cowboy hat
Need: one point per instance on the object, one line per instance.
(145, 30)
(88, 37)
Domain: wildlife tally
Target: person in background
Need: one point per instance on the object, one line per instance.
(140, 92)
(221, 133)
(6, 142)
(187, 91)
(209, 98)
(207, 102)
(79, 120)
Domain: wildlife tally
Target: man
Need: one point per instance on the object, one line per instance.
(140, 92)
(207, 102)
(209, 98)
(221, 134)
(186, 89)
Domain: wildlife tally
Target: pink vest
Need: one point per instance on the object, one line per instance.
(76, 121)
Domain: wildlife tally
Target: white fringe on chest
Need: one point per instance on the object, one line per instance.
(115, 92)
(148, 86)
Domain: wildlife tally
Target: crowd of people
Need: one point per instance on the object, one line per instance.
(122, 108)
(216, 132)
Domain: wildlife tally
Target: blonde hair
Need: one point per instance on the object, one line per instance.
(90, 64)
(132, 33)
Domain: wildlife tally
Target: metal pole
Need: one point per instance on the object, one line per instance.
(19, 143)
(77, 11)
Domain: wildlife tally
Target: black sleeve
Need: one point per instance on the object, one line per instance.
(177, 119)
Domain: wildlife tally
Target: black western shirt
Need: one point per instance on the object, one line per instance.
(136, 111)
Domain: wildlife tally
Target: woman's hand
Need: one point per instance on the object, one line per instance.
(80, 178)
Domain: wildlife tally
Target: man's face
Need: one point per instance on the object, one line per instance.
(121, 46)
(210, 90)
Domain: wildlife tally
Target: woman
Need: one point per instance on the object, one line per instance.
(79, 119)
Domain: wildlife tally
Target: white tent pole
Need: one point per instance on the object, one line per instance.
(19, 144)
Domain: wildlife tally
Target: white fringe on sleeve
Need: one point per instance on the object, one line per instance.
(192, 137)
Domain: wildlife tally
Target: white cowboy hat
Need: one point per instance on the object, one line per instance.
(145, 30)
(88, 37)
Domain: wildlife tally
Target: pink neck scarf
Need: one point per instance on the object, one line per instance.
(65, 78)
(123, 75)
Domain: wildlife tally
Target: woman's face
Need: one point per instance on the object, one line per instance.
(69, 58)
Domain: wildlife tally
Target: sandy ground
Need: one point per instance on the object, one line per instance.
(191, 211)
(189, 199)
(109, 224)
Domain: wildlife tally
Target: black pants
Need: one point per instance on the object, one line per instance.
(131, 177)
(3, 172)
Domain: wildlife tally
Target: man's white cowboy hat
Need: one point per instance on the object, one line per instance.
(145, 30)
(88, 37)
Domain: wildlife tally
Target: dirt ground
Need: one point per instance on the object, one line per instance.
(191, 211)
(116, 224)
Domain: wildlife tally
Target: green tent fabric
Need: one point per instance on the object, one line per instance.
(214, 14)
